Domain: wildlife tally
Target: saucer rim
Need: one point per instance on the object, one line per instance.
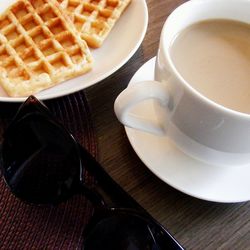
(155, 170)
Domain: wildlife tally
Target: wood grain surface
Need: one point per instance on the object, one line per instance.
(196, 224)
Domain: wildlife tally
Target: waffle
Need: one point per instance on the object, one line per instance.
(39, 47)
(94, 19)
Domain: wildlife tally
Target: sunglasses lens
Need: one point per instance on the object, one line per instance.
(126, 231)
(119, 232)
(39, 160)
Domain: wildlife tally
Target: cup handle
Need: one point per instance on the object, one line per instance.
(135, 94)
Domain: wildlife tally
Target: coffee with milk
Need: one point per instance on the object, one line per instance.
(213, 56)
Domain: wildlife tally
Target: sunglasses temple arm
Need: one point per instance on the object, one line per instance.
(111, 191)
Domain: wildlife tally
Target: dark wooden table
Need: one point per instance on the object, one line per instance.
(197, 224)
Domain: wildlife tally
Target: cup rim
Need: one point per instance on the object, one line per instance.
(191, 89)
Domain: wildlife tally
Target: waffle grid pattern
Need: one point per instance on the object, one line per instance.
(94, 19)
(39, 48)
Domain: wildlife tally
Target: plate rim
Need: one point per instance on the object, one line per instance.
(134, 48)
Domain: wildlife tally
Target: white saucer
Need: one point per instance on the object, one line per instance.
(122, 42)
(207, 182)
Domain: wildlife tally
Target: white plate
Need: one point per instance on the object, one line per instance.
(207, 182)
(121, 44)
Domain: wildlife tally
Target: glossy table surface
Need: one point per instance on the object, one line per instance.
(195, 223)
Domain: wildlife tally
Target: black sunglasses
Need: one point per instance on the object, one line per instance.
(43, 164)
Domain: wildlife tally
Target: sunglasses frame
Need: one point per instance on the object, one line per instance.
(106, 195)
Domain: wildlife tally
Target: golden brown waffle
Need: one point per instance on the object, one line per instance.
(39, 47)
(94, 19)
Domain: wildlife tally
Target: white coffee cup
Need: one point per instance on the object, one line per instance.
(200, 127)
